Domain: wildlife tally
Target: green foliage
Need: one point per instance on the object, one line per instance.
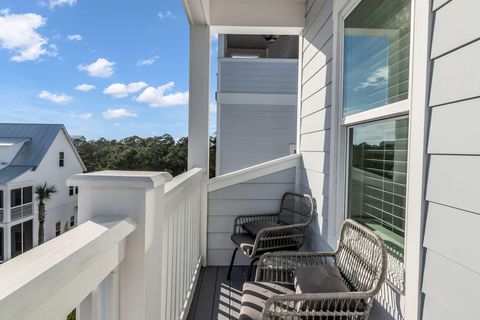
(44, 192)
(160, 153)
(72, 315)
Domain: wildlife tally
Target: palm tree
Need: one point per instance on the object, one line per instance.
(43, 192)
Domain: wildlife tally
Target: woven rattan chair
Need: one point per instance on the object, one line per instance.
(285, 230)
(361, 260)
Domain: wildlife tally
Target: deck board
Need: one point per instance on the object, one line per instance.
(215, 297)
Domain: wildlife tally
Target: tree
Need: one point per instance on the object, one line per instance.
(43, 192)
(159, 153)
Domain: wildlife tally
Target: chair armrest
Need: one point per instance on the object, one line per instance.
(341, 304)
(241, 219)
(279, 266)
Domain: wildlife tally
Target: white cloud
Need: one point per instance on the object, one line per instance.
(86, 115)
(101, 68)
(120, 90)
(18, 33)
(58, 3)
(213, 37)
(118, 113)
(74, 37)
(55, 98)
(157, 97)
(376, 79)
(147, 62)
(167, 15)
(85, 87)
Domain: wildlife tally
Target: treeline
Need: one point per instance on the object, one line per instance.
(160, 153)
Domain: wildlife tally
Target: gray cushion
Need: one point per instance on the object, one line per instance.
(323, 279)
(256, 293)
(244, 241)
(319, 279)
(254, 227)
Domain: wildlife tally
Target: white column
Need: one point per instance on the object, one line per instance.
(7, 243)
(198, 112)
(140, 197)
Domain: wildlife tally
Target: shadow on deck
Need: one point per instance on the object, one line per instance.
(216, 298)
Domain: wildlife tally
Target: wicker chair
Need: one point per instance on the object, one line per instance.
(361, 259)
(285, 230)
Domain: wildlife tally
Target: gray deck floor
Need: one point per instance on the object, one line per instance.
(216, 298)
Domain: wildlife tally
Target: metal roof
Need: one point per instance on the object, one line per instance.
(9, 173)
(39, 139)
(12, 141)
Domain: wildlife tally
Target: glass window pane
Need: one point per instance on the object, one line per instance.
(15, 197)
(27, 194)
(1, 199)
(1, 244)
(376, 55)
(16, 240)
(27, 235)
(377, 179)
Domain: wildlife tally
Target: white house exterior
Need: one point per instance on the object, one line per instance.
(256, 99)
(387, 134)
(33, 154)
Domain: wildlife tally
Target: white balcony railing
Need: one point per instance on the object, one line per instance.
(136, 253)
(21, 211)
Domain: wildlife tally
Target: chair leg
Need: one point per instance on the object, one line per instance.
(251, 268)
(229, 275)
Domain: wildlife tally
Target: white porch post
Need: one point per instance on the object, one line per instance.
(139, 196)
(7, 227)
(198, 111)
(198, 115)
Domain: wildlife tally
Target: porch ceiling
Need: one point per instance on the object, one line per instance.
(248, 16)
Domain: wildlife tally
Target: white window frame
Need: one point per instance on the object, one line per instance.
(341, 125)
(419, 79)
(59, 230)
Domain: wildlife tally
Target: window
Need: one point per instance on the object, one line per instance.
(72, 221)
(1, 245)
(21, 238)
(76, 190)
(27, 195)
(61, 159)
(16, 197)
(376, 55)
(21, 196)
(377, 179)
(376, 72)
(1, 199)
(58, 228)
(71, 190)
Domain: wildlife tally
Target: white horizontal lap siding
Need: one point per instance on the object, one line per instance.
(315, 114)
(262, 195)
(253, 134)
(452, 262)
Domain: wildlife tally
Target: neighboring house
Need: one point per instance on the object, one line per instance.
(256, 99)
(30, 155)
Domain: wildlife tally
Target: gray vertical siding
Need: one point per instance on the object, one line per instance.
(452, 261)
(260, 195)
(315, 111)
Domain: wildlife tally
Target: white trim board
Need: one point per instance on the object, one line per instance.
(281, 99)
(253, 172)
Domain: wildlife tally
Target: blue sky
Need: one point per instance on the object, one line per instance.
(103, 68)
